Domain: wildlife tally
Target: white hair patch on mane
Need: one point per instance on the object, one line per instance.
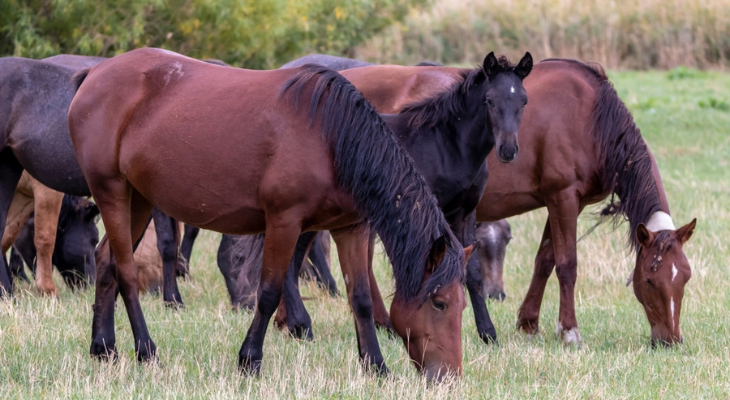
(660, 221)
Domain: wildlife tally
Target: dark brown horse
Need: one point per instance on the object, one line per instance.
(492, 239)
(578, 146)
(253, 160)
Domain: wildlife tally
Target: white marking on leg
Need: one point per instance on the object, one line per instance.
(674, 272)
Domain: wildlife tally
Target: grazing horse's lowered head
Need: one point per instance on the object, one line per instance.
(425, 322)
(661, 272)
(492, 239)
(76, 240)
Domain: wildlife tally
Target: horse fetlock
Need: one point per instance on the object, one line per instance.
(569, 336)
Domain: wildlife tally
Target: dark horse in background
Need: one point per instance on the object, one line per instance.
(239, 260)
(76, 239)
(34, 136)
(330, 164)
(578, 146)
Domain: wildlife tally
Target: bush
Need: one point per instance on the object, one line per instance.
(253, 34)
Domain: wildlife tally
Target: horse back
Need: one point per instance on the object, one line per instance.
(206, 122)
(557, 150)
(389, 88)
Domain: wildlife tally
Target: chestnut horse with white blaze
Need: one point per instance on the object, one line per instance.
(578, 146)
(254, 160)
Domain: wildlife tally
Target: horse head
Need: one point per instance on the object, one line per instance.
(506, 99)
(427, 327)
(661, 272)
(76, 240)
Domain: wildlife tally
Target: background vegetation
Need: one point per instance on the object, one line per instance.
(246, 33)
(44, 342)
(633, 34)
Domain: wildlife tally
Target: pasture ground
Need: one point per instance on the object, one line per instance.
(684, 116)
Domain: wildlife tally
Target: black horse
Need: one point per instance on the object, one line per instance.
(34, 136)
(76, 239)
(448, 137)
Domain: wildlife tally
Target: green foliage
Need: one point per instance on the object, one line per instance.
(254, 34)
(714, 103)
(683, 72)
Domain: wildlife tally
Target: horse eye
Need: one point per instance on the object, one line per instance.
(438, 305)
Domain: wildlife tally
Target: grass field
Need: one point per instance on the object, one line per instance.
(684, 116)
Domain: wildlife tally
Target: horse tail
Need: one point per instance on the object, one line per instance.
(371, 167)
(79, 77)
(627, 167)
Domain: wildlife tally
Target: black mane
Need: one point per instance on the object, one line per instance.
(431, 111)
(387, 190)
(627, 173)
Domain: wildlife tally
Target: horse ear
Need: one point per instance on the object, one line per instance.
(490, 65)
(469, 250)
(685, 232)
(92, 210)
(438, 252)
(644, 236)
(524, 67)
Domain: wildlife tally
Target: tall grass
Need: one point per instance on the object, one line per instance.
(633, 34)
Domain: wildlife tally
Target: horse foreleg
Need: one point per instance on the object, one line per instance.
(321, 265)
(47, 208)
(168, 235)
(281, 238)
(10, 171)
(566, 268)
(186, 249)
(380, 312)
(529, 313)
(297, 318)
(352, 248)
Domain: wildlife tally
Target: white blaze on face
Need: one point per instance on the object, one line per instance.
(674, 272)
(671, 308)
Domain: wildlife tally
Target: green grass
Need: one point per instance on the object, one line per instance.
(44, 342)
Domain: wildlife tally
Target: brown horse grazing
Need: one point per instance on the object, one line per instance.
(492, 239)
(578, 145)
(254, 161)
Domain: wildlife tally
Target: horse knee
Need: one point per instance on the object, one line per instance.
(567, 273)
(268, 299)
(362, 304)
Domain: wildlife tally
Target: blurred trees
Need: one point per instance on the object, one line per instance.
(247, 33)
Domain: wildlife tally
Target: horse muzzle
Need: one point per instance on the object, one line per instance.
(507, 153)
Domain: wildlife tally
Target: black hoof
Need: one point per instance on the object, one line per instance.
(147, 352)
(175, 304)
(489, 338)
(377, 368)
(301, 332)
(103, 350)
(249, 366)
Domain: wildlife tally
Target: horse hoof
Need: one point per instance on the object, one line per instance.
(528, 326)
(489, 338)
(249, 366)
(570, 337)
(301, 332)
(47, 290)
(174, 304)
(103, 352)
(147, 353)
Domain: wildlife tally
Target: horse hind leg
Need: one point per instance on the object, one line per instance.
(529, 313)
(282, 234)
(297, 318)
(10, 171)
(47, 209)
(125, 214)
